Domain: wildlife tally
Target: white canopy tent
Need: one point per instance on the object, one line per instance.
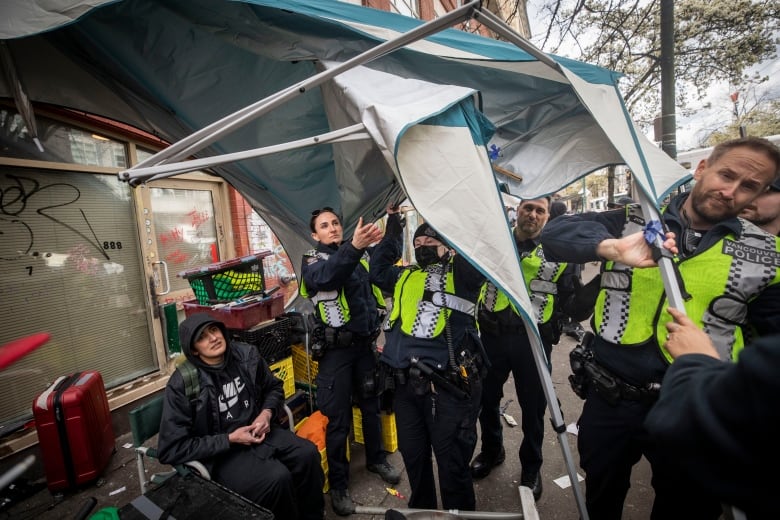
(304, 104)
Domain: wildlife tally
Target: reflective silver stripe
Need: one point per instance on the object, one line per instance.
(424, 325)
(729, 309)
(427, 315)
(450, 301)
(746, 280)
(618, 280)
(613, 327)
(614, 319)
(324, 295)
(543, 286)
(333, 313)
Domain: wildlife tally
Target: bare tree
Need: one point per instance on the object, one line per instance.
(715, 40)
(762, 118)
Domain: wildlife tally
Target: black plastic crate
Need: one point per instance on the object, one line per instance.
(297, 326)
(272, 338)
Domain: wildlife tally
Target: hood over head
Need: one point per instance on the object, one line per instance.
(425, 229)
(190, 329)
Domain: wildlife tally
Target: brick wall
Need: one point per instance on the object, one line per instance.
(239, 220)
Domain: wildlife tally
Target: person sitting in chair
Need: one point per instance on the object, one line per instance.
(228, 424)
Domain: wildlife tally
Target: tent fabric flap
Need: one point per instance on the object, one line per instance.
(434, 139)
(445, 171)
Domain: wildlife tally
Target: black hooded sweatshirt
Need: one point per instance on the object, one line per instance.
(197, 430)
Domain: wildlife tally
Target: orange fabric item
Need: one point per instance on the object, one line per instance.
(314, 429)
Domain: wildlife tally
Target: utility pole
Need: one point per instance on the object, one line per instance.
(668, 116)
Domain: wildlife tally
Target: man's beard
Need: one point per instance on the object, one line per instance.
(700, 207)
(760, 221)
(530, 228)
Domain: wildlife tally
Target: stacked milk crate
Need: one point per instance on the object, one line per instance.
(234, 292)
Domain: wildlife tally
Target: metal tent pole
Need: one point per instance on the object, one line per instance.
(436, 513)
(673, 293)
(202, 138)
(151, 173)
(556, 418)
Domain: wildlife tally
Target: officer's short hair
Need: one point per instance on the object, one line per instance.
(758, 144)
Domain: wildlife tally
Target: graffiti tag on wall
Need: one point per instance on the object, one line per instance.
(23, 200)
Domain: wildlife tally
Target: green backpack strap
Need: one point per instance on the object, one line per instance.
(190, 375)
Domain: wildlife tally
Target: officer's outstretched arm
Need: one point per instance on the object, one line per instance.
(633, 250)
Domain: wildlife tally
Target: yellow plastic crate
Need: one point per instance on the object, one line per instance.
(283, 369)
(324, 457)
(300, 423)
(389, 430)
(324, 462)
(304, 368)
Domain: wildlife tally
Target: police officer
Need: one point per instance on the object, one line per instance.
(432, 355)
(764, 211)
(728, 266)
(335, 278)
(508, 348)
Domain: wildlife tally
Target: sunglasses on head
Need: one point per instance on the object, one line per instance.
(326, 209)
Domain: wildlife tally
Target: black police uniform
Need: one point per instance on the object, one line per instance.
(612, 437)
(436, 412)
(508, 348)
(344, 368)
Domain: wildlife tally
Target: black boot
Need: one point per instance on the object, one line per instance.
(341, 502)
(483, 464)
(532, 481)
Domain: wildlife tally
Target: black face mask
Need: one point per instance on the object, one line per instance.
(426, 255)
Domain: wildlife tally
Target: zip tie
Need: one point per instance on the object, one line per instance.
(653, 229)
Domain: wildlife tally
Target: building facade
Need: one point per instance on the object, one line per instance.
(94, 262)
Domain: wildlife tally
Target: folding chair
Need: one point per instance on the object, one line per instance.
(145, 424)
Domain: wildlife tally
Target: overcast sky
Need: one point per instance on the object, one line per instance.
(692, 130)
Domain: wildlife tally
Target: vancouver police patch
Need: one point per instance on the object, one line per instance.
(751, 254)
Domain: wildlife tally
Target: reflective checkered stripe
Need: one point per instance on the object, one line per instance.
(722, 282)
(332, 306)
(421, 317)
(493, 299)
(540, 280)
(620, 317)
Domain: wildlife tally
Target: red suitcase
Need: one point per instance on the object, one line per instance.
(74, 430)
